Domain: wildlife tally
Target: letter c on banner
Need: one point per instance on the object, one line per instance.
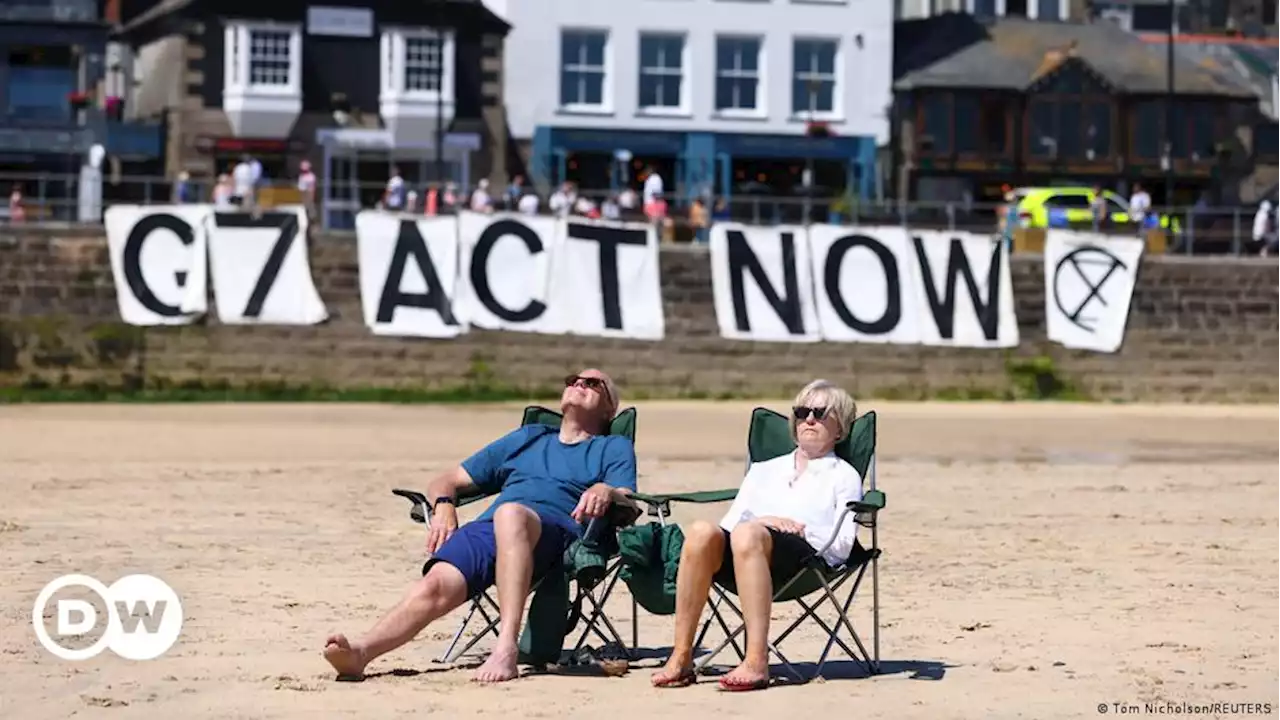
(133, 260)
(893, 285)
(480, 262)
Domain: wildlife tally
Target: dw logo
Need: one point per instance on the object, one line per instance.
(144, 617)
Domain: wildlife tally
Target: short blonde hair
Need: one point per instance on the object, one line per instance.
(823, 393)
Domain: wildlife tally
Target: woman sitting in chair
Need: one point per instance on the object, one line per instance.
(784, 514)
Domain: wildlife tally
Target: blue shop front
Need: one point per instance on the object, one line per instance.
(705, 163)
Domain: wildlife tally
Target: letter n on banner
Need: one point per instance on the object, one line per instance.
(607, 280)
(762, 282)
(408, 274)
(506, 270)
(865, 284)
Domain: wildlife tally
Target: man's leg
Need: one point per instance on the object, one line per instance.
(441, 590)
(752, 548)
(700, 558)
(517, 530)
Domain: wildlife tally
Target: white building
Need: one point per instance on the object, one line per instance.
(699, 88)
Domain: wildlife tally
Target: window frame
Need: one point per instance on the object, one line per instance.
(836, 113)
(606, 69)
(237, 58)
(393, 58)
(760, 111)
(683, 108)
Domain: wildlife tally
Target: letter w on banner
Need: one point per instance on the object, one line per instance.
(159, 262)
(1088, 287)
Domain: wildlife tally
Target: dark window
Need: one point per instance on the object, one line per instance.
(995, 125)
(1071, 118)
(1147, 130)
(1015, 8)
(1049, 10)
(1069, 202)
(935, 122)
(1265, 140)
(968, 120)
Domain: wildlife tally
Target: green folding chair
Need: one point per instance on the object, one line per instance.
(769, 436)
(591, 565)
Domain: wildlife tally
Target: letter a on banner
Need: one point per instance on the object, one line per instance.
(159, 262)
(1088, 286)
(408, 274)
(762, 283)
(505, 276)
(967, 294)
(261, 273)
(607, 280)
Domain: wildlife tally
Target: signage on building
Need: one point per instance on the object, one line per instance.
(340, 21)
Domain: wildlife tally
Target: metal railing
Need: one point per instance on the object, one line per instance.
(1199, 231)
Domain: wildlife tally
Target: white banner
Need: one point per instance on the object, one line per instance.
(866, 284)
(159, 262)
(607, 281)
(762, 283)
(261, 273)
(965, 291)
(505, 270)
(1088, 286)
(408, 274)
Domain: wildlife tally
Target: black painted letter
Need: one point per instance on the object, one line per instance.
(958, 264)
(287, 224)
(133, 260)
(892, 281)
(787, 306)
(480, 260)
(409, 242)
(609, 238)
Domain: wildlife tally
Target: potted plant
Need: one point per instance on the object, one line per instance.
(78, 99)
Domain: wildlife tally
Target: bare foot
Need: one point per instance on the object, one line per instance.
(500, 667)
(676, 673)
(746, 676)
(349, 661)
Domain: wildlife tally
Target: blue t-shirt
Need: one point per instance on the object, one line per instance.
(532, 467)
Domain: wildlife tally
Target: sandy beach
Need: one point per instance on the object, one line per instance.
(1040, 561)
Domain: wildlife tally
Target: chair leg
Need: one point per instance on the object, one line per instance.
(597, 614)
(491, 626)
(842, 619)
(731, 636)
(457, 635)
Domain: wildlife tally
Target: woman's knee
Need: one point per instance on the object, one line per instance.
(748, 537)
(702, 536)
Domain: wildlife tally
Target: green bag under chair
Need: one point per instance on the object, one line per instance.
(650, 560)
(552, 614)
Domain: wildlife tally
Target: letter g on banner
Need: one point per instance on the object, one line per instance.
(144, 617)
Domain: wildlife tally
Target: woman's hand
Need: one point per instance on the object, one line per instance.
(784, 525)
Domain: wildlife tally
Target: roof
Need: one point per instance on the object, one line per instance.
(1250, 64)
(1011, 53)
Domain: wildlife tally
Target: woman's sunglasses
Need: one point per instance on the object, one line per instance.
(802, 413)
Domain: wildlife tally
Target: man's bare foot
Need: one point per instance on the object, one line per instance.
(349, 661)
(678, 672)
(500, 666)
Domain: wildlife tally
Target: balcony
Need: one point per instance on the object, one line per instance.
(62, 11)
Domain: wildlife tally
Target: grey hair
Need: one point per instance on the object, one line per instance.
(823, 393)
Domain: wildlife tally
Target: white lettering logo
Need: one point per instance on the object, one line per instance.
(144, 617)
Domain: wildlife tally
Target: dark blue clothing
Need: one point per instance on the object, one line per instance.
(473, 549)
(532, 467)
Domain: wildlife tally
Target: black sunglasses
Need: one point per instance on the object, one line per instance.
(588, 382)
(802, 413)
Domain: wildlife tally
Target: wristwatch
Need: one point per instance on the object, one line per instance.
(444, 500)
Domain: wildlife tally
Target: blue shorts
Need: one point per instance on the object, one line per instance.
(473, 549)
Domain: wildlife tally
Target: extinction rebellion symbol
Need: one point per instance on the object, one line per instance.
(1094, 266)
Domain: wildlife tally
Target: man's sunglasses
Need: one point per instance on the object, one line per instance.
(589, 383)
(802, 413)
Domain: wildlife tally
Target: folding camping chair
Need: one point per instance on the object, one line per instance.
(769, 436)
(593, 587)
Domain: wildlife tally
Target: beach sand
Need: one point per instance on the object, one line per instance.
(1039, 561)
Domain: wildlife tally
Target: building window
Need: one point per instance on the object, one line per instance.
(583, 69)
(813, 81)
(263, 58)
(1070, 117)
(417, 64)
(661, 72)
(738, 74)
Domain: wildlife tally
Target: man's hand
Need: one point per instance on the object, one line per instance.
(594, 502)
(444, 521)
(784, 525)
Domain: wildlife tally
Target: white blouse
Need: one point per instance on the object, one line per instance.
(815, 498)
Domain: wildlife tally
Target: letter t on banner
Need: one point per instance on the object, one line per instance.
(607, 280)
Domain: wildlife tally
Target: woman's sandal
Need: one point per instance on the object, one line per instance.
(686, 678)
(729, 685)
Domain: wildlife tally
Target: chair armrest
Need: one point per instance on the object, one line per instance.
(421, 511)
(871, 502)
(709, 496)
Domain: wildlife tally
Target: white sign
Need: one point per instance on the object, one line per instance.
(866, 283)
(966, 290)
(1088, 287)
(159, 262)
(408, 274)
(340, 21)
(505, 270)
(261, 273)
(606, 280)
(144, 617)
(762, 284)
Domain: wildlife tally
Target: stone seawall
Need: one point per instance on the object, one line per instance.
(1200, 330)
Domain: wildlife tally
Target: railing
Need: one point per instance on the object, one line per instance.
(49, 10)
(1200, 231)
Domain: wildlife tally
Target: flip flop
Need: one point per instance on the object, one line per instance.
(686, 678)
(728, 685)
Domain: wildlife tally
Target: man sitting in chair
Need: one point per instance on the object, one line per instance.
(784, 514)
(550, 484)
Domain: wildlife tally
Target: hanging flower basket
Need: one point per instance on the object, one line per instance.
(817, 129)
(78, 100)
(114, 106)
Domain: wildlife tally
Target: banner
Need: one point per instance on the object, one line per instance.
(1088, 286)
(159, 262)
(438, 277)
